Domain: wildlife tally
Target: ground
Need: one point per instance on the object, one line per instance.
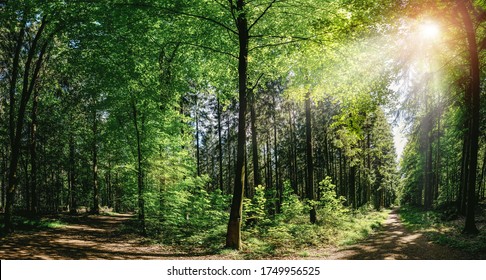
(395, 242)
(91, 237)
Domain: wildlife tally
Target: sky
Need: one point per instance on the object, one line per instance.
(400, 139)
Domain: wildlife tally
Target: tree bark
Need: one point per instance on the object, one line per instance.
(141, 200)
(96, 199)
(278, 186)
(254, 142)
(33, 156)
(473, 107)
(233, 236)
(71, 177)
(220, 148)
(27, 88)
(309, 158)
(198, 150)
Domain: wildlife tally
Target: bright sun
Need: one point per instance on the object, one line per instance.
(429, 30)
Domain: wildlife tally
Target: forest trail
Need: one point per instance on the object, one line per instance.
(88, 237)
(395, 242)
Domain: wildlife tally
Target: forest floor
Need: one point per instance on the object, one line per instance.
(101, 237)
(88, 237)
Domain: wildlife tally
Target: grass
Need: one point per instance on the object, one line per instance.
(278, 237)
(30, 224)
(298, 238)
(439, 228)
(361, 225)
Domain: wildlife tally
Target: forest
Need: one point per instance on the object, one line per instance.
(243, 128)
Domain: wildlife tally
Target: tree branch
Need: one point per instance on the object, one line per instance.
(205, 47)
(261, 15)
(151, 6)
(257, 82)
(204, 18)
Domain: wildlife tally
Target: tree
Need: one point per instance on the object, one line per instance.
(472, 97)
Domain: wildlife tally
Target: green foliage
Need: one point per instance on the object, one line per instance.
(330, 207)
(29, 224)
(292, 207)
(438, 226)
(254, 209)
(289, 231)
(360, 225)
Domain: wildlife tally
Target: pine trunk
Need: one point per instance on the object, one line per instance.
(309, 158)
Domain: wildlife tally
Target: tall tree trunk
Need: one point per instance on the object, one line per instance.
(473, 107)
(293, 155)
(481, 181)
(71, 177)
(140, 173)
(220, 148)
(309, 157)
(438, 173)
(33, 156)
(368, 165)
(27, 88)
(96, 196)
(268, 164)
(109, 190)
(254, 142)
(230, 152)
(4, 181)
(278, 186)
(352, 186)
(429, 173)
(12, 176)
(233, 235)
(198, 150)
(462, 191)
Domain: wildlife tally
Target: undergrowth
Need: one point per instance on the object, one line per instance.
(199, 220)
(39, 223)
(439, 227)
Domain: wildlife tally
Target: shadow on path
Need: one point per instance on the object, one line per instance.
(87, 238)
(395, 242)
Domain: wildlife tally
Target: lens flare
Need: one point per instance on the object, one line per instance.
(429, 30)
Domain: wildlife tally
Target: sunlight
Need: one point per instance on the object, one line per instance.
(429, 30)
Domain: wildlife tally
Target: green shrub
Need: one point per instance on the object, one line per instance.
(254, 209)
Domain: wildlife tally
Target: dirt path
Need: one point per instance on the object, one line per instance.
(395, 242)
(87, 238)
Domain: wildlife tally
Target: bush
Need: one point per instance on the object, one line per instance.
(330, 207)
(254, 209)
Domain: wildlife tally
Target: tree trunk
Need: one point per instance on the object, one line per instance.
(473, 106)
(352, 186)
(254, 143)
(293, 155)
(71, 177)
(220, 149)
(33, 156)
(233, 236)
(198, 150)
(27, 88)
(462, 192)
(96, 198)
(141, 200)
(429, 173)
(309, 157)
(278, 186)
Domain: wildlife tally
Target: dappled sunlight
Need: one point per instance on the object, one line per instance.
(394, 242)
(92, 237)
